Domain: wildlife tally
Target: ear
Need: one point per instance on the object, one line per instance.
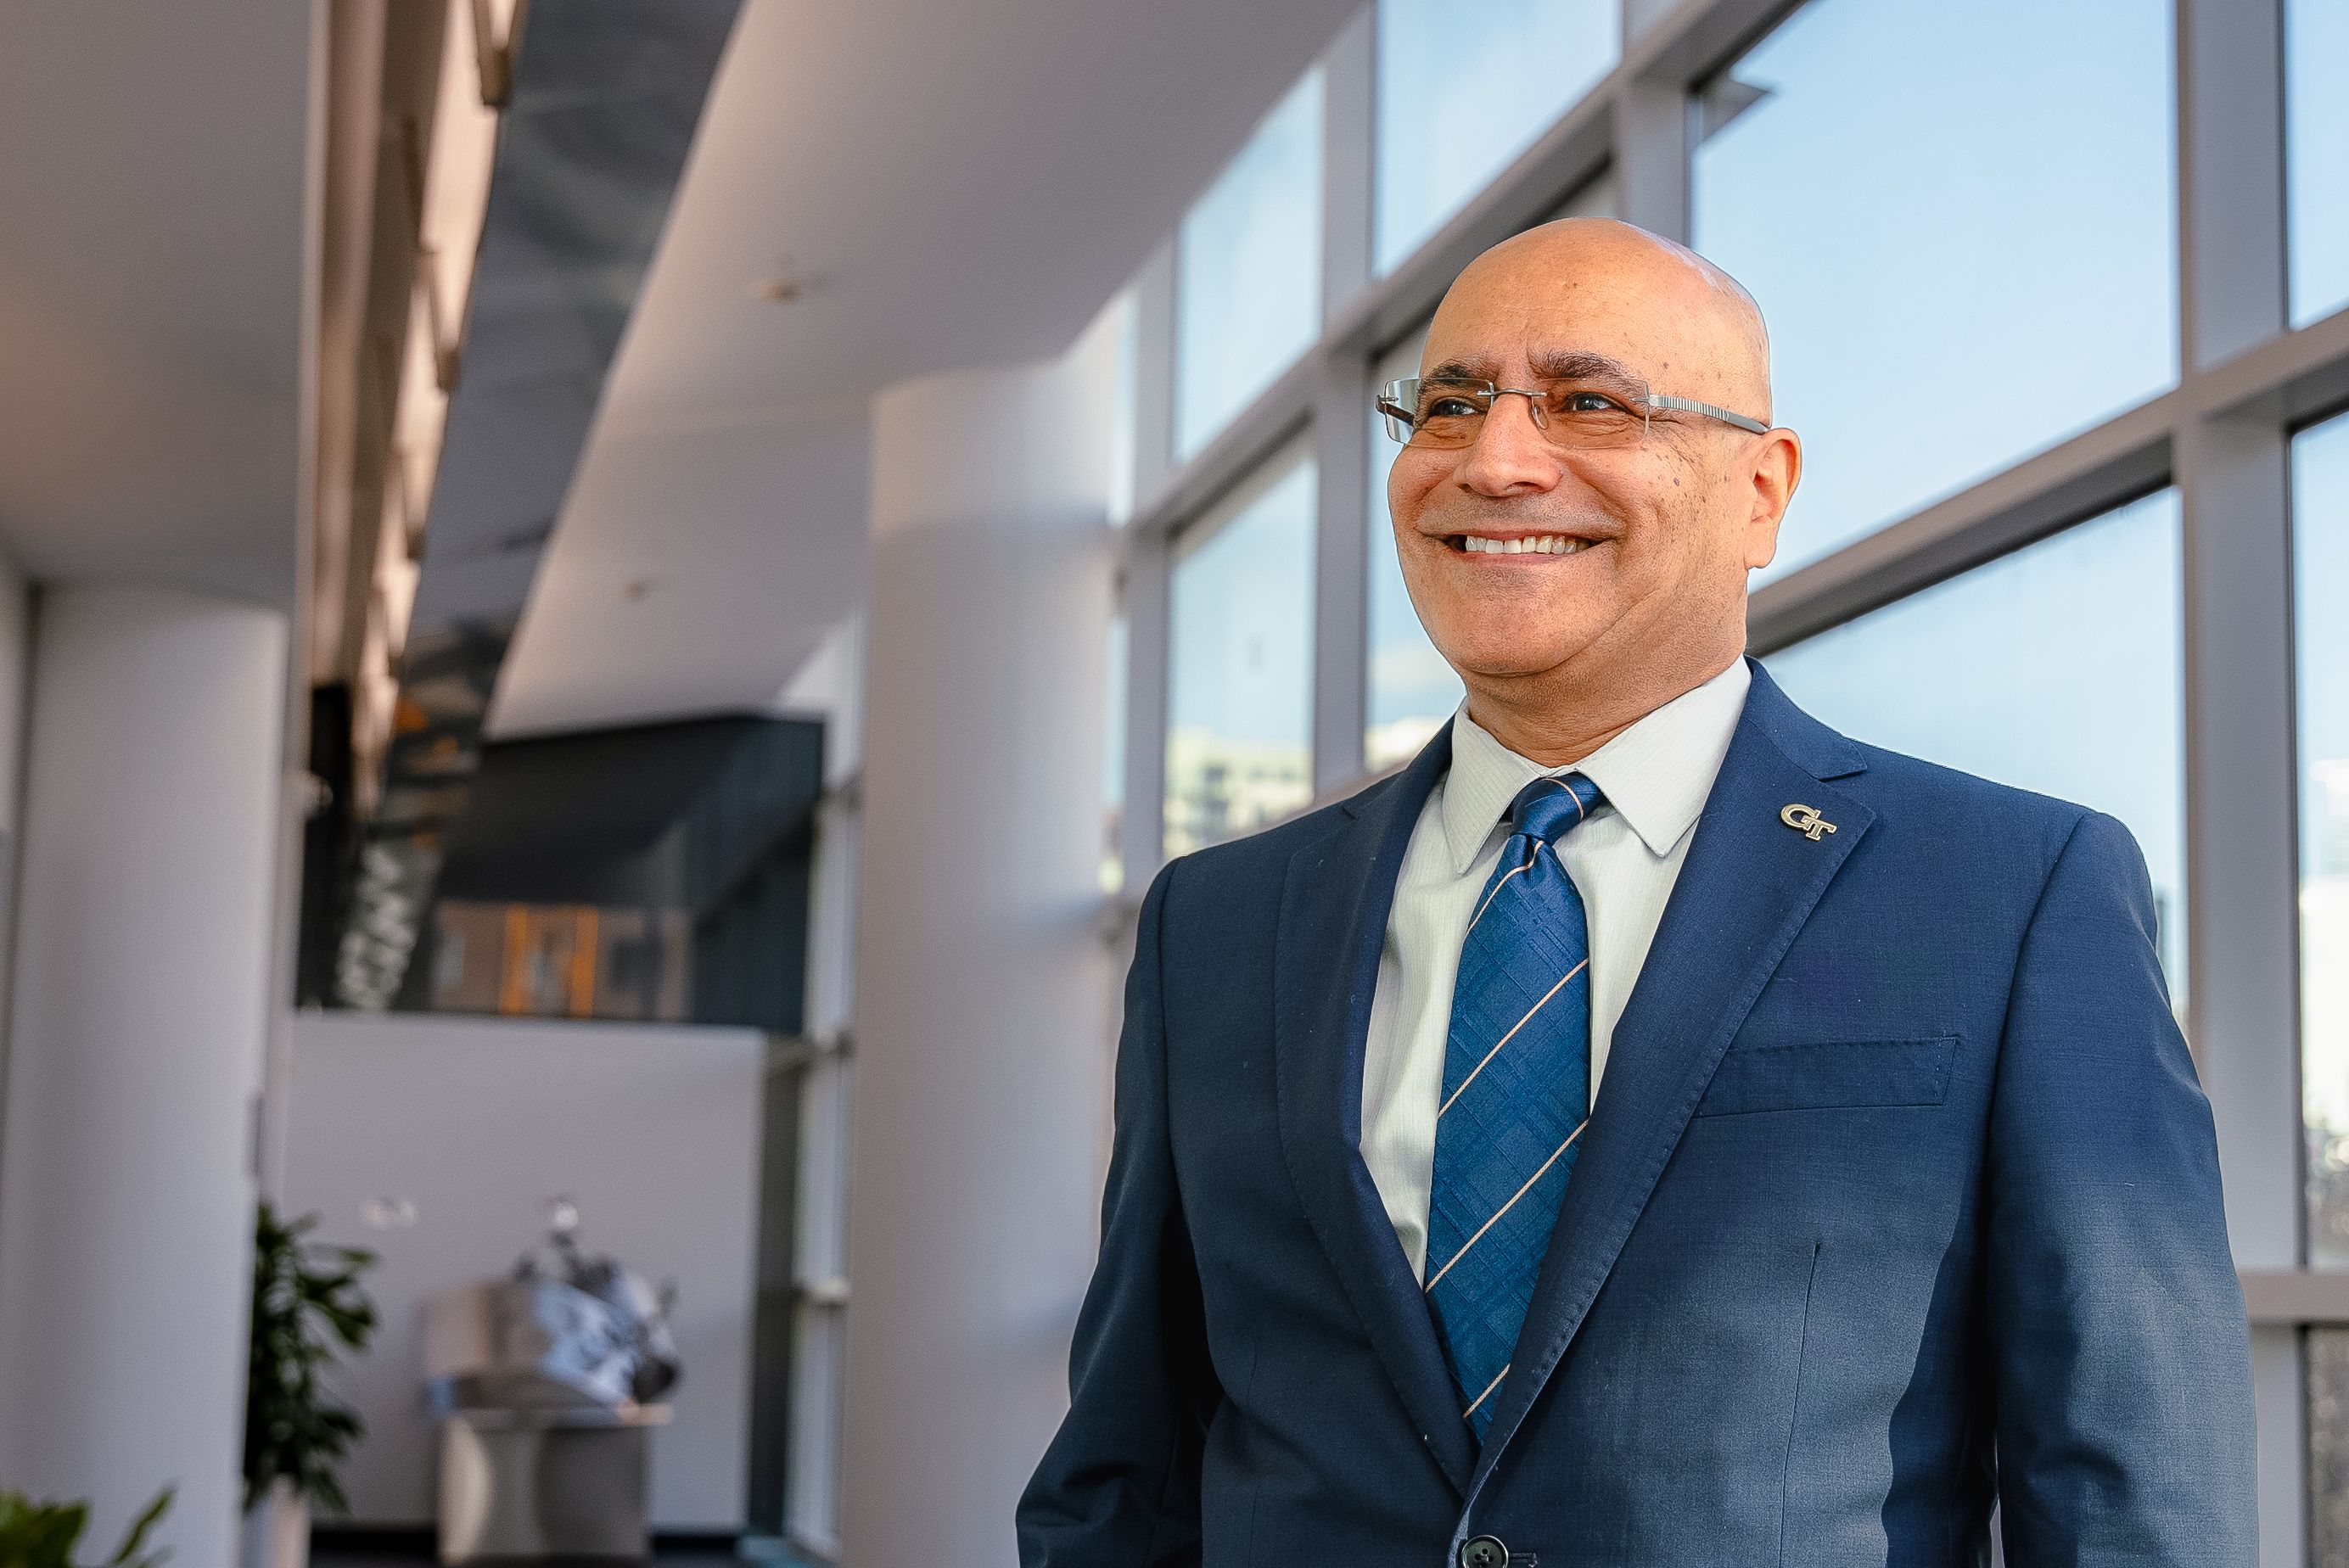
(1775, 466)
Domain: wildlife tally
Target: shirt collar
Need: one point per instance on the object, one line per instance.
(1656, 774)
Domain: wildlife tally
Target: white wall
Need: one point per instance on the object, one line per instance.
(141, 962)
(477, 1122)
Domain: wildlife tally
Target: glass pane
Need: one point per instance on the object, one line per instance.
(2320, 461)
(1113, 866)
(2328, 1445)
(1123, 416)
(2316, 154)
(1464, 89)
(1248, 270)
(1239, 694)
(1412, 690)
(1958, 220)
(2055, 669)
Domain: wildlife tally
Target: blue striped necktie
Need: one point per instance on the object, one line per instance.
(1517, 1089)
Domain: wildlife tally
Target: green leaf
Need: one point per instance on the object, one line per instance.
(127, 1554)
(306, 1301)
(39, 1534)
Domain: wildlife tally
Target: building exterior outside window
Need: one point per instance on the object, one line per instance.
(1239, 748)
(2320, 581)
(1464, 89)
(1870, 163)
(2321, 584)
(2316, 155)
(1248, 270)
(1113, 866)
(2328, 1445)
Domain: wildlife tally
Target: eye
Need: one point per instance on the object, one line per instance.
(1453, 408)
(1589, 403)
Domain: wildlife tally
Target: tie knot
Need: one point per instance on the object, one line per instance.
(1551, 808)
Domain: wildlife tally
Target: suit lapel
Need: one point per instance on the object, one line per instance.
(1333, 921)
(1749, 883)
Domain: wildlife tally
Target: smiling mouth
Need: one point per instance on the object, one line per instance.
(1534, 544)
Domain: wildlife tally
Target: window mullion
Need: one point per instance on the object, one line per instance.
(1651, 153)
(2233, 480)
(1340, 422)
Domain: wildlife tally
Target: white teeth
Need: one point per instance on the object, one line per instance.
(1540, 544)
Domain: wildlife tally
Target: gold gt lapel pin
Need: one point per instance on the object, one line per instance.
(1806, 820)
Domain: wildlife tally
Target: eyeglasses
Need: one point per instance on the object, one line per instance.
(1583, 412)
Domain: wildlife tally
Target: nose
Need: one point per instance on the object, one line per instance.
(1510, 456)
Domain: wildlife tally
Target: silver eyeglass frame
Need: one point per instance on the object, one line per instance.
(1397, 396)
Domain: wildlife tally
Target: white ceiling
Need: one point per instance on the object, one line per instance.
(959, 185)
(152, 221)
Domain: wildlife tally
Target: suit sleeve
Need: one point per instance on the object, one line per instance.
(1119, 1488)
(2120, 1362)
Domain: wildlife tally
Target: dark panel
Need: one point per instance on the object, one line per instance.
(657, 873)
(325, 846)
(774, 1316)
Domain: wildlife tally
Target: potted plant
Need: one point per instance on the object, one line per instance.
(305, 1300)
(44, 1534)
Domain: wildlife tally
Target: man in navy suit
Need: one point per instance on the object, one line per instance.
(1651, 1128)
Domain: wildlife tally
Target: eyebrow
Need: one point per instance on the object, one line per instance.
(1462, 370)
(1549, 364)
(1577, 365)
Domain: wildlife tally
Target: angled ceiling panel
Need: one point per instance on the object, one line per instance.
(605, 101)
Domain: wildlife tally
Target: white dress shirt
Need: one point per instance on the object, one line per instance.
(1623, 861)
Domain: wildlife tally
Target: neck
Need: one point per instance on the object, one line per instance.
(1562, 715)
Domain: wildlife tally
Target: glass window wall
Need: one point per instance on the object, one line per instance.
(2320, 460)
(1123, 414)
(2328, 1447)
(2316, 154)
(1959, 221)
(1240, 749)
(2055, 669)
(1462, 90)
(1115, 668)
(1248, 270)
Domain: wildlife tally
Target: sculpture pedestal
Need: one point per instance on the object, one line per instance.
(529, 1483)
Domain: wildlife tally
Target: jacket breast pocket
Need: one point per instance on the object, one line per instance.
(1825, 1074)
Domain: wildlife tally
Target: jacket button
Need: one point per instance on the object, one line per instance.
(1485, 1551)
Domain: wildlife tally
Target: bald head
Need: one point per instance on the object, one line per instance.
(1707, 334)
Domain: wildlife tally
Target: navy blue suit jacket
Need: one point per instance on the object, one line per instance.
(1899, 1196)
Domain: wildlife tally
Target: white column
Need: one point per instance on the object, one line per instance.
(150, 814)
(982, 1077)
